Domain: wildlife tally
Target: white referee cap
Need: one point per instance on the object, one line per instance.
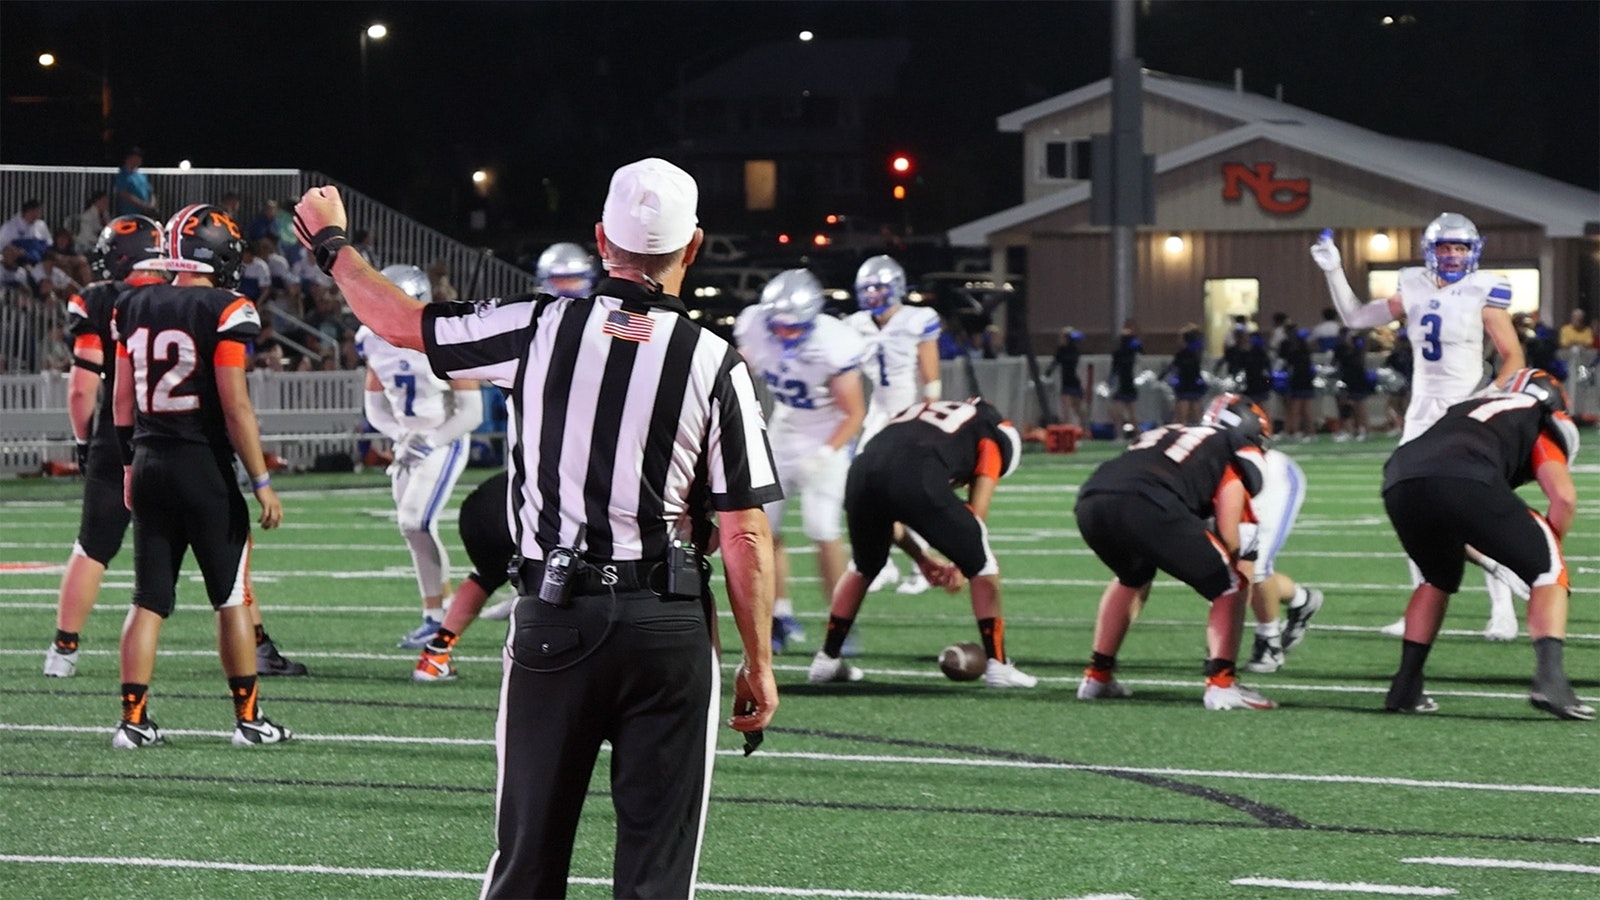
(651, 207)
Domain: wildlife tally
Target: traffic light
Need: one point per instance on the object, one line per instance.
(900, 165)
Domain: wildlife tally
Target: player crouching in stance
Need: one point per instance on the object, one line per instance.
(428, 420)
(1146, 510)
(486, 536)
(905, 475)
(1454, 485)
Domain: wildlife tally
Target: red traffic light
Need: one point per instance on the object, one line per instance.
(900, 164)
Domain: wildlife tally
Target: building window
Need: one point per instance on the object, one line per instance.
(760, 185)
(1065, 161)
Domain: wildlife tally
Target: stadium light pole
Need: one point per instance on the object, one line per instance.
(377, 31)
(804, 36)
(49, 61)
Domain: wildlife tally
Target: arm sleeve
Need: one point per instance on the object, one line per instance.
(381, 417)
(1352, 311)
(466, 414)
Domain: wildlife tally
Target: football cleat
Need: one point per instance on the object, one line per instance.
(270, 663)
(999, 674)
(825, 668)
(434, 667)
(1266, 657)
(1298, 618)
(1502, 625)
(1558, 700)
(1233, 695)
(419, 638)
(1407, 696)
(786, 632)
(1101, 686)
(915, 583)
(129, 736)
(58, 664)
(251, 732)
(499, 612)
(889, 574)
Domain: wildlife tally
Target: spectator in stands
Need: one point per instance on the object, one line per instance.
(1540, 351)
(327, 317)
(349, 356)
(949, 345)
(1184, 373)
(1123, 381)
(308, 279)
(1355, 385)
(1399, 360)
(265, 223)
(95, 217)
(439, 281)
(24, 237)
(68, 258)
(230, 204)
(55, 354)
(1281, 328)
(1325, 334)
(361, 239)
(132, 189)
(277, 263)
(1066, 360)
(54, 281)
(1577, 332)
(255, 279)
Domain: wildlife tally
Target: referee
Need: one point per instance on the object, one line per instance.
(629, 422)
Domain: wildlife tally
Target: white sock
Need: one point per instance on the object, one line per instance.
(1269, 630)
(1300, 597)
(783, 606)
(433, 615)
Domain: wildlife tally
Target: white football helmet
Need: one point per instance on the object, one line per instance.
(880, 284)
(565, 270)
(410, 279)
(1011, 449)
(1452, 228)
(791, 302)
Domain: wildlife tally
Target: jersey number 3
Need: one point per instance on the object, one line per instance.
(173, 346)
(1431, 350)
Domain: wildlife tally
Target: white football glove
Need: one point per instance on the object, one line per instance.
(411, 449)
(1326, 255)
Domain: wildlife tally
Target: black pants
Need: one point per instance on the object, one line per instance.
(1136, 534)
(633, 670)
(1435, 518)
(184, 496)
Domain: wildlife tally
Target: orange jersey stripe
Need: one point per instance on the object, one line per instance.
(86, 342)
(231, 308)
(1546, 450)
(229, 355)
(988, 458)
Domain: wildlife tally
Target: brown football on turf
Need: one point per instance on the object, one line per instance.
(962, 662)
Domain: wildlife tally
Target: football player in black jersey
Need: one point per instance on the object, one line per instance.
(182, 411)
(104, 519)
(905, 475)
(1147, 510)
(1453, 486)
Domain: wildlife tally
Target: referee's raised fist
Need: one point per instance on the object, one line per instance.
(320, 208)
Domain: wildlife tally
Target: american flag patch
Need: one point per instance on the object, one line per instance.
(628, 326)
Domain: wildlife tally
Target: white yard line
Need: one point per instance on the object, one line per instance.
(1346, 887)
(1471, 862)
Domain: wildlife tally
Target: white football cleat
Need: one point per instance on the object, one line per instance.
(915, 583)
(1091, 688)
(999, 674)
(1502, 624)
(889, 574)
(1235, 696)
(825, 668)
(58, 664)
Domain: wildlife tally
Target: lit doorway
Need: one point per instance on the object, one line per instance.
(1226, 298)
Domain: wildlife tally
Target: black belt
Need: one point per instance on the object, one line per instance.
(596, 577)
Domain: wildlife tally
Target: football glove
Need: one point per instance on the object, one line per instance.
(411, 449)
(1326, 254)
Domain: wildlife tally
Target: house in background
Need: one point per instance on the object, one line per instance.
(788, 132)
(1243, 185)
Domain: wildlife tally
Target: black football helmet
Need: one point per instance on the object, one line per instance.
(124, 241)
(1552, 397)
(1239, 414)
(201, 238)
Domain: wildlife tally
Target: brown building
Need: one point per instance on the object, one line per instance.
(1243, 185)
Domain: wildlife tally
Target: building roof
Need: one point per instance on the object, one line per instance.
(1562, 209)
(845, 67)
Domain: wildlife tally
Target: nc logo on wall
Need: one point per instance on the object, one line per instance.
(1279, 196)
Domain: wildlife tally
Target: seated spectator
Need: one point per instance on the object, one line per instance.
(277, 263)
(95, 217)
(327, 317)
(265, 223)
(1577, 332)
(54, 281)
(67, 256)
(26, 234)
(255, 278)
(310, 279)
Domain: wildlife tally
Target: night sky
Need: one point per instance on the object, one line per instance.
(566, 91)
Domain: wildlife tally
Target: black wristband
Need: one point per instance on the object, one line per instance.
(125, 443)
(325, 244)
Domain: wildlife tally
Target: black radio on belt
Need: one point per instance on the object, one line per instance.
(685, 580)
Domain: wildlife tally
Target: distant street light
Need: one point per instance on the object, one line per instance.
(377, 31)
(50, 60)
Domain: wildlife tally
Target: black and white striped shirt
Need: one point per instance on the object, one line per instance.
(625, 416)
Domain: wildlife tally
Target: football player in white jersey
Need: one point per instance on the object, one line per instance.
(811, 365)
(565, 270)
(901, 365)
(1447, 306)
(428, 420)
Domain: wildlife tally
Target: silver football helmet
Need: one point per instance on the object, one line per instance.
(410, 279)
(1452, 228)
(792, 300)
(565, 270)
(880, 284)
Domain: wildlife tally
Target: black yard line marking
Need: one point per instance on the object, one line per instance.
(1271, 816)
(275, 698)
(830, 805)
